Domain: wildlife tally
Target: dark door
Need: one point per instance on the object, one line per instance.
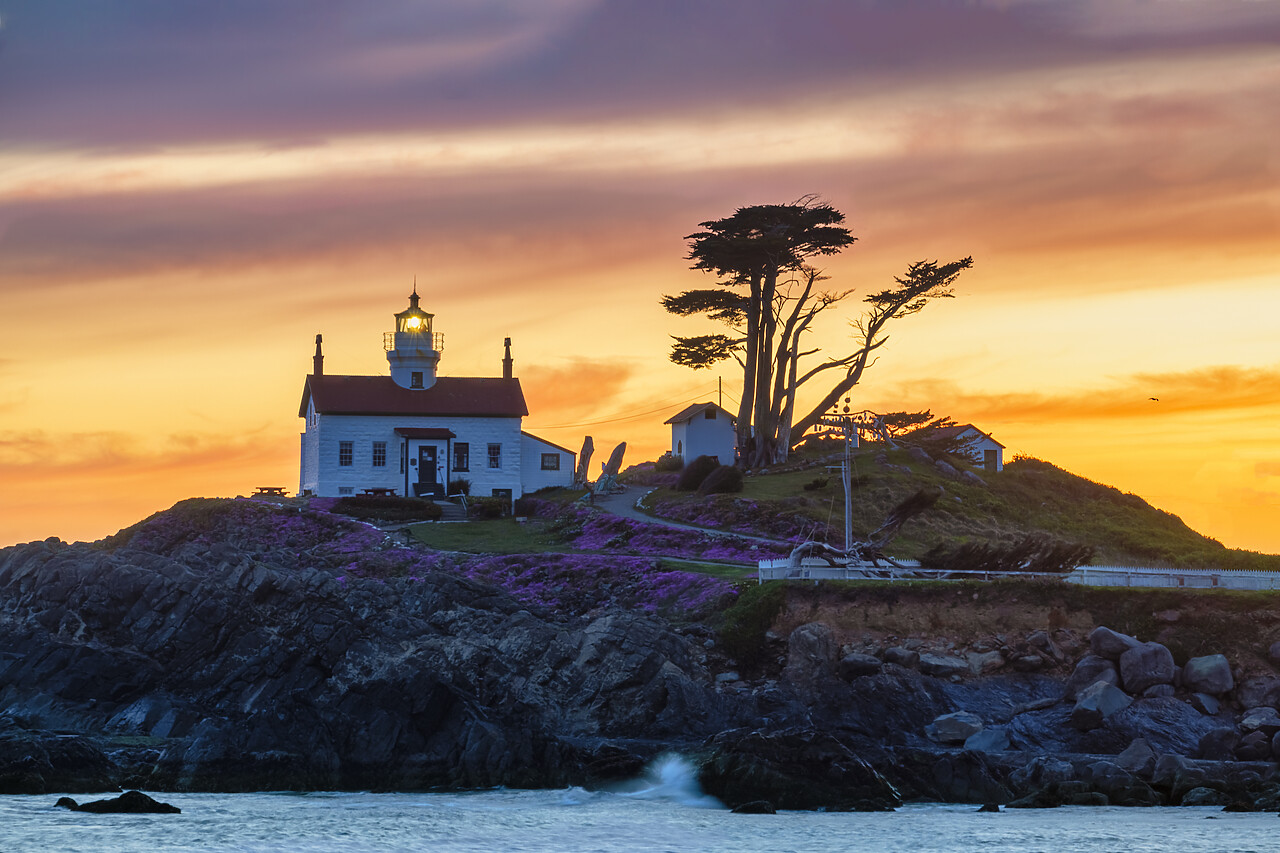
(428, 479)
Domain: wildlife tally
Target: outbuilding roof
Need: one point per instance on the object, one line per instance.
(693, 411)
(379, 395)
(957, 431)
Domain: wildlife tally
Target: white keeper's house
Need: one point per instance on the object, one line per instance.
(414, 432)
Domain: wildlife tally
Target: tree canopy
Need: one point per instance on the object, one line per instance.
(768, 294)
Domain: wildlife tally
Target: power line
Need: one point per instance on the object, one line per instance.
(632, 417)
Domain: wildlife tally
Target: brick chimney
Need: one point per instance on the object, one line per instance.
(317, 360)
(506, 359)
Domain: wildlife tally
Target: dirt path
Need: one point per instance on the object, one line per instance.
(624, 504)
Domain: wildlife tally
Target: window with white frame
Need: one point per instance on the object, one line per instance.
(495, 456)
(379, 454)
(551, 462)
(345, 452)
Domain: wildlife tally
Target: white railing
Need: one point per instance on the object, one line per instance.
(1174, 578)
(1130, 576)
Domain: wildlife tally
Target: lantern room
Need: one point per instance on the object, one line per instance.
(413, 349)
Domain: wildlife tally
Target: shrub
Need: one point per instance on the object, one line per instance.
(527, 506)
(460, 486)
(695, 472)
(815, 484)
(721, 481)
(489, 508)
(668, 462)
(388, 508)
(745, 625)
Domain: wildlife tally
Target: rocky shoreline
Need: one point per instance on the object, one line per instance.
(210, 661)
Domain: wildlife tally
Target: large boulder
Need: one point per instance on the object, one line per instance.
(1263, 719)
(1208, 674)
(943, 666)
(1259, 691)
(983, 663)
(1109, 644)
(1255, 746)
(988, 740)
(953, 728)
(1144, 665)
(811, 655)
(1138, 758)
(1218, 744)
(1095, 703)
(1090, 670)
(793, 769)
(856, 665)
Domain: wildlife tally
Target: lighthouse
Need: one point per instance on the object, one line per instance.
(417, 433)
(413, 349)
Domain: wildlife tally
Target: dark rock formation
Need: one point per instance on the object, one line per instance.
(228, 672)
(130, 802)
(793, 769)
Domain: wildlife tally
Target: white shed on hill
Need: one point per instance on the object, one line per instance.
(978, 446)
(704, 429)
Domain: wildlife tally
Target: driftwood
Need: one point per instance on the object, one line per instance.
(614, 465)
(584, 462)
(608, 482)
(871, 549)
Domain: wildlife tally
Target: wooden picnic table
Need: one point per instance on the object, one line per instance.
(270, 491)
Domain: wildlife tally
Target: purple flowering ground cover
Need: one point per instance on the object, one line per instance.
(741, 515)
(588, 529)
(295, 538)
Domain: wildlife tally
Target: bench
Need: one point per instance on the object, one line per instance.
(269, 492)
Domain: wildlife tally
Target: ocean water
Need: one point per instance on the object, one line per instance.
(664, 812)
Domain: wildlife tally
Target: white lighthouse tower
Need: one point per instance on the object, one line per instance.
(413, 349)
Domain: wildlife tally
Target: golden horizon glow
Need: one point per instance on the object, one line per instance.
(1118, 195)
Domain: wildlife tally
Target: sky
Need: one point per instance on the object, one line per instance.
(191, 191)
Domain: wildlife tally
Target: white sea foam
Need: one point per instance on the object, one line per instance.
(671, 777)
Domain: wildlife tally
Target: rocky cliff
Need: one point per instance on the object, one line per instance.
(229, 647)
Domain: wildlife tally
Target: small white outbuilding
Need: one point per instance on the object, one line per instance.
(704, 429)
(977, 445)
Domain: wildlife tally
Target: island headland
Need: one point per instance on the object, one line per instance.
(241, 645)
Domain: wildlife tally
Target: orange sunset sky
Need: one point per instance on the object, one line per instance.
(190, 191)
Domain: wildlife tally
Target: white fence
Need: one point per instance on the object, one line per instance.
(1130, 576)
(1173, 578)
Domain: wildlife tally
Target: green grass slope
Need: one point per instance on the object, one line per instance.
(1029, 496)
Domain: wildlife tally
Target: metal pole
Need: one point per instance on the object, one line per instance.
(848, 502)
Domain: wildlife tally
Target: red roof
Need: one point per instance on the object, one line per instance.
(425, 432)
(449, 396)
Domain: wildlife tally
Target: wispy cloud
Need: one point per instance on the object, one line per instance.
(569, 391)
(1206, 390)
